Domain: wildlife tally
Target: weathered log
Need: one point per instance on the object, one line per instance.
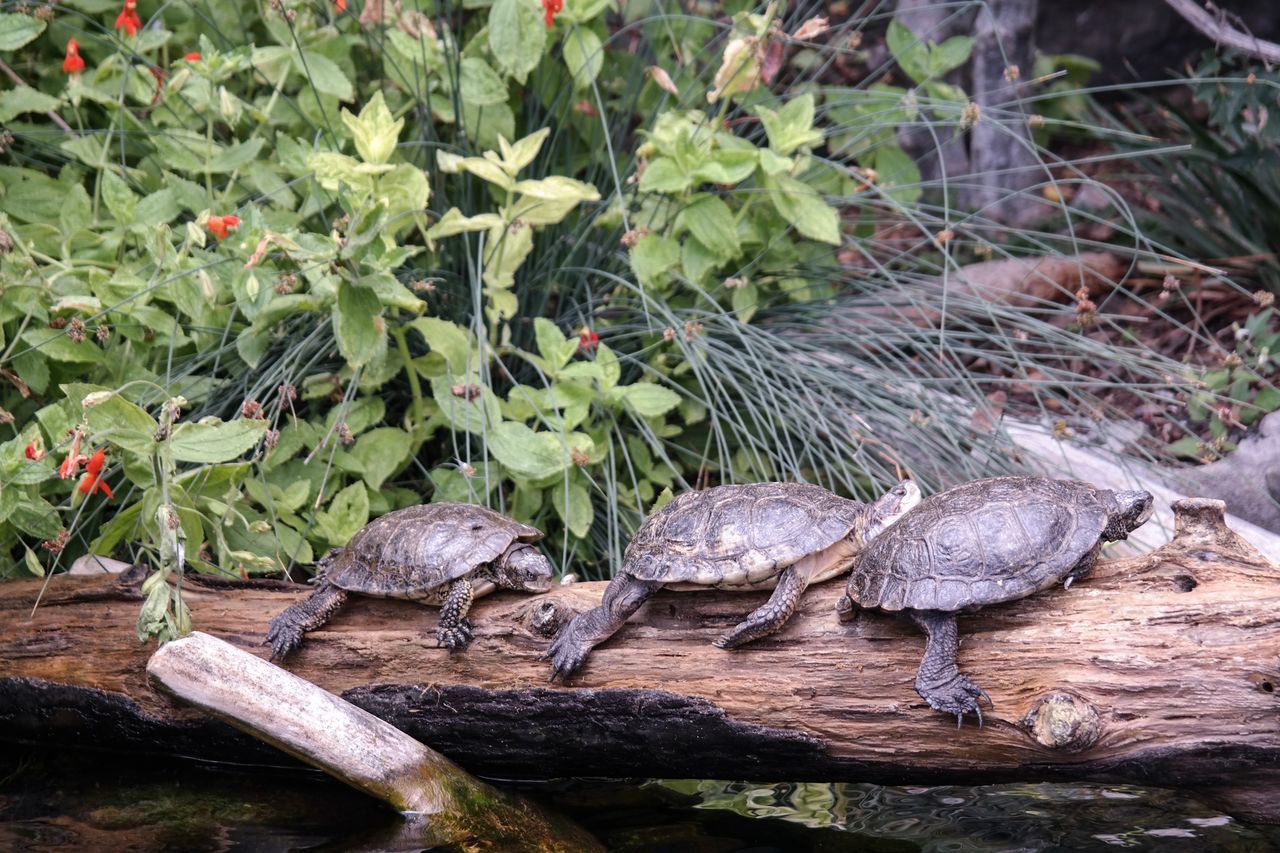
(1160, 669)
(441, 803)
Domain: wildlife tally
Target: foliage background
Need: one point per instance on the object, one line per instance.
(294, 265)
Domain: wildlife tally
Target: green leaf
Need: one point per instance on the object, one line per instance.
(381, 453)
(652, 256)
(58, 347)
(584, 55)
(533, 455)
(357, 322)
(481, 86)
(697, 260)
(469, 410)
(574, 507)
(1188, 446)
(325, 75)
(375, 132)
(481, 167)
(236, 156)
(124, 423)
(709, 219)
(505, 250)
(549, 200)
(157, 208)
(949, 55)
(610, 368)
(1268, 399)
(24, 99)
(517, 155)
(665, 497)
(664, 175)
(212, 441)
(911, 53)
(898, 175)
(745, 300)
(19, 30)
(801, 205)
(453, 222)
(551, 343)
(347, 513)
(517, 36)
(119, 198)
(450, 340)
(790, 127)
(36, 517)
(647, 399)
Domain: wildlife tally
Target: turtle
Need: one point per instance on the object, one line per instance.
(444, 554)
(735, 537)
(979, 543)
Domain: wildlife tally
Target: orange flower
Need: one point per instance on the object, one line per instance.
(72, 63)
(552, 8)
(33, 451)
(220, 225)
(341, 5)
(71, 464)
(93, 481)
(128, 19)
(193, 56)
(587, 340)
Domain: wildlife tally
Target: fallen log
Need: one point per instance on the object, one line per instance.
(1160, 669)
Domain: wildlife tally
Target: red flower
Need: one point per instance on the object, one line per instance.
(220, 225)
(93, 481)
(71, 464)
(128, 19)
(552, 8)
(587, 340)
(72, 63)
(193, 56)
(34, 453)
(341, 5)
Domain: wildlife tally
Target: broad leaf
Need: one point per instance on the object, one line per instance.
(517, 36)
(358, 325)
(215, 441)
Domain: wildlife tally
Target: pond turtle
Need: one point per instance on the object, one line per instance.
(749, 537)
(980, 543)
(444, 554)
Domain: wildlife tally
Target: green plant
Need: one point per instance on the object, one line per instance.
(1235, 394)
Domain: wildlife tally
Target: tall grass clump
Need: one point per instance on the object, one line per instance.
(274, 269)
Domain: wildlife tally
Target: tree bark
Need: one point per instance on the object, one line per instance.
(1002, 155)
(1162, 669)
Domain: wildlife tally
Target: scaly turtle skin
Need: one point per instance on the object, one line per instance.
(982, 543)
(444, 554)
(758, 536)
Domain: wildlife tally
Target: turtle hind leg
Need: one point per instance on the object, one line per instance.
(286, 629)
(939, 681)
(772, 615)
(454, 629)
(622, 597)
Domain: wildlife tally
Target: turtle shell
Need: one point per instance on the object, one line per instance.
(735, 536)
(980, 543)
(412, 551)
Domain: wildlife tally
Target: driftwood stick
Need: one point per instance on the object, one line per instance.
(448, 805)
(1223, 33)
(1158, 669)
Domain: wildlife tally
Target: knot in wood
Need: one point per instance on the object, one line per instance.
(1200, 523)
(547, 617)
(1063, 721)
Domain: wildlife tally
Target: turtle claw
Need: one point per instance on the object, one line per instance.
(455, 637)
(958, 696)
(565, 655)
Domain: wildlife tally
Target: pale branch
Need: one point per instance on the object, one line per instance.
(1217, 29)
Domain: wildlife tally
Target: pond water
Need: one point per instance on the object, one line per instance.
(77, 802)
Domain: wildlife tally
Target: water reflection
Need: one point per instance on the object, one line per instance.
(1005, 818)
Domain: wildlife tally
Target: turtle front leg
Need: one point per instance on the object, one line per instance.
(772, 615)
(939, 681)
(622, 597)
(454, 630)
(286, 629)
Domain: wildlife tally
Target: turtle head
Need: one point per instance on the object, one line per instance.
(890, 506)
(524, 568)
(1128, 511)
